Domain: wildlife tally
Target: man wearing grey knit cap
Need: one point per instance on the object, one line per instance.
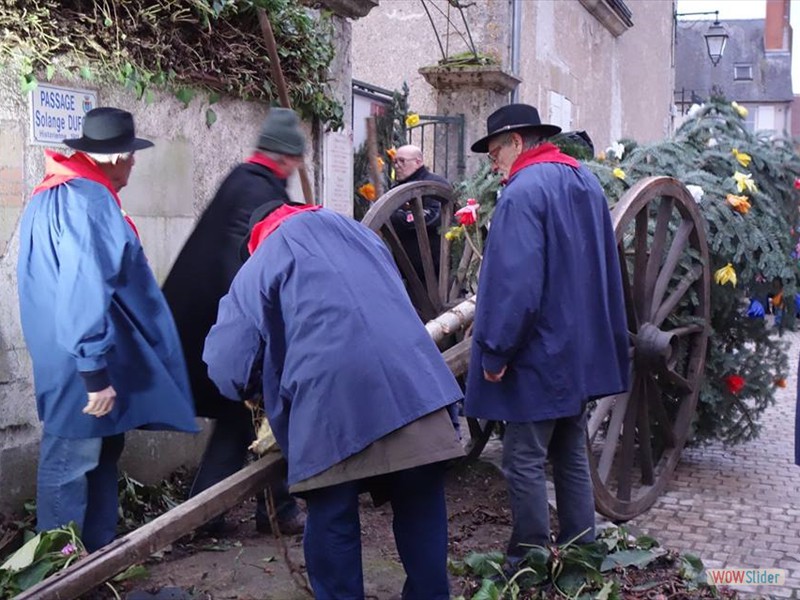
(202, 275)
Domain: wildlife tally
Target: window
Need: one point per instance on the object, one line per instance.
(765, 119)
(560, 111)
(743, 72)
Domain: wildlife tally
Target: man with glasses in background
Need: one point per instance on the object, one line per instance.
(409, 168)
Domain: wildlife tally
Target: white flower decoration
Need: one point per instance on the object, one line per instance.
(696, 191)
(695, 109)
(617, 149)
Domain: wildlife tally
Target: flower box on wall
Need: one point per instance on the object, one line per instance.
(351, 9)
(488, 77)
(613, 14)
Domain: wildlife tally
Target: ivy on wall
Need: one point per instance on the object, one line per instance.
(187, 46)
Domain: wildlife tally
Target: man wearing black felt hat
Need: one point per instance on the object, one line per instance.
(202, 274)
(106, 356)
(550, 327)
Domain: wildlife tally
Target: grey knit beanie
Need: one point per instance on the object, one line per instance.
(281, 133)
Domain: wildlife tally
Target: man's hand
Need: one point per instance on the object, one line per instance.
(100, 403)
(494, 377)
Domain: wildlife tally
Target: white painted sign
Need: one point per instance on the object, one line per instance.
(337, 183)
(57, 113)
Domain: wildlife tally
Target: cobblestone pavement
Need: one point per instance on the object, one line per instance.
(739, 506)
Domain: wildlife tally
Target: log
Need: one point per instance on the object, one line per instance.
(458, 317)
(86, 574)
(283, 93)
(372, 152)
(457, 357)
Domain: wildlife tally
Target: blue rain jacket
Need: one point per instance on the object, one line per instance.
(89, 301)
(346, 359)
(550, 305)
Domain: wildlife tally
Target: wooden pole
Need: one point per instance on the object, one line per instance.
(283, 94)
(372, 151)
(90, 572)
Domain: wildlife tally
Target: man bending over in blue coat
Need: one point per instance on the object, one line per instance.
(550, 328)
(105, 351)
(355, 390)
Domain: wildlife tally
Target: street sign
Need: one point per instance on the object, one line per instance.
(57, 113)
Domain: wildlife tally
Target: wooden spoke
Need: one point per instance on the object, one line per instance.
(612, 436)
(657, 250)
(677, 294)
(679, 381)
(417, 291)
(679, 243)
(640, 266)
(688, 330)
(645, 441)
(627, 445)
(425, 252)
(627, 290)
(659, 413)
(601, 409)
(444, 256)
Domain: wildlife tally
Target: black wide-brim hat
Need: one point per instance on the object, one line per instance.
(512, 118)
(108, 130)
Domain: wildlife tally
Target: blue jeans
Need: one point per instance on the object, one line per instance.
(525, 451)
(77, 481)
(332, 539)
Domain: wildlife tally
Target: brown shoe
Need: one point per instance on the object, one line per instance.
(294, 525)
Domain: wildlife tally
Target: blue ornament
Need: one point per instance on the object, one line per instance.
(756, 309)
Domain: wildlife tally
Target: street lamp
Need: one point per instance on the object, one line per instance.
(716, 36)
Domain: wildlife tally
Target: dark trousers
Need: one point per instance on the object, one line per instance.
(226, 453)
(525, 451)
(77, 481)
(332, 540)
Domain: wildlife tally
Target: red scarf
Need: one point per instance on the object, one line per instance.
(543, 153)
(270, 223)
(61, 169)
(256, 158)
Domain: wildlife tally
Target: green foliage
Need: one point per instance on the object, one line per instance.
(181, 45)
(40, 556)
(140, 504)
(600, 570)
(760, 245)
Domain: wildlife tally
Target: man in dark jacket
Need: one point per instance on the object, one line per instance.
(550, 327)
(355, 391)
(409, 168)
(202, 275)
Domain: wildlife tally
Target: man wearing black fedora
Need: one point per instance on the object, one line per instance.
(202, 274)
(550, 327)
(105, 352)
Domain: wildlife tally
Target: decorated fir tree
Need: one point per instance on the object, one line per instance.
(746, 186)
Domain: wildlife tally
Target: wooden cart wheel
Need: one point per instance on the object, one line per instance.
(433, 296)
(430, 296)
(635, 438)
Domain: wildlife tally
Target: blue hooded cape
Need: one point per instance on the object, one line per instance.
(346, 359)
(89, 302)
(550, 306)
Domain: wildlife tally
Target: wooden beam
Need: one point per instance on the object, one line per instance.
(102, 565)
(283, 93)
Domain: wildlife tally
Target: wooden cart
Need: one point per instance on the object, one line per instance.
(634, 439)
